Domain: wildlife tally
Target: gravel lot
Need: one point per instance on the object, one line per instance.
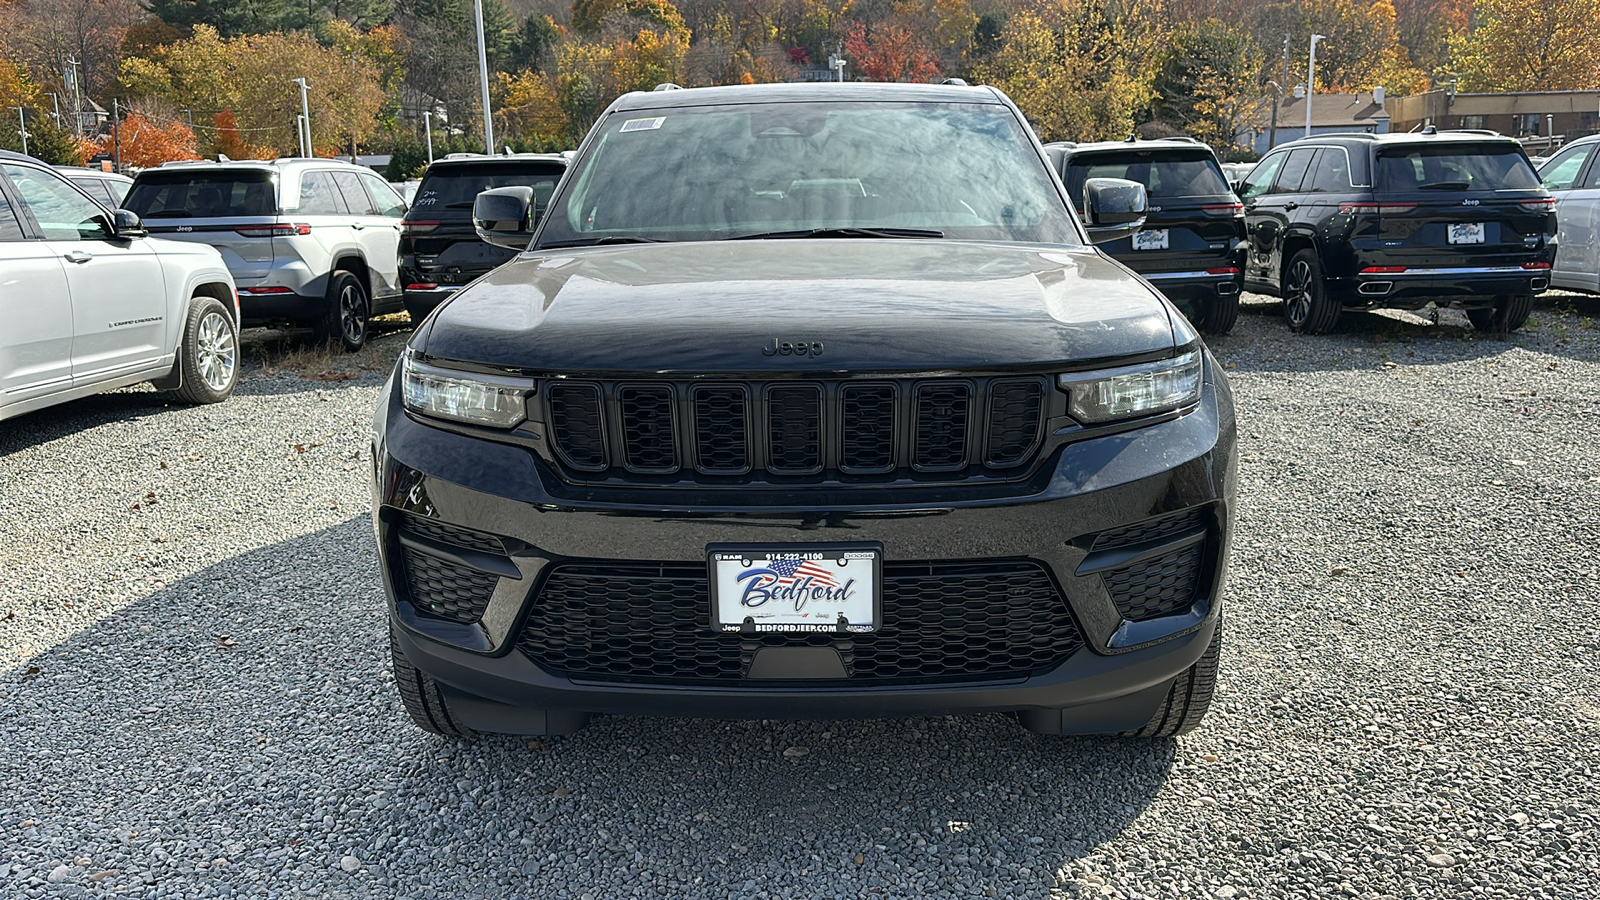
(195, 698)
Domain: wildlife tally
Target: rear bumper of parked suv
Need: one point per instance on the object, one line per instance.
(1383, 285)
(1074, 602)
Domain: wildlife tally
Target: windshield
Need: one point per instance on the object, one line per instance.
(1163, 175)
(202, 195)
(455, 186)
(1456, 168)
(709, 173)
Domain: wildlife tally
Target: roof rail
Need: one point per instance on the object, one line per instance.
(464, 155)
(1486, 131)
(956, 82)
(1183, 137)
(667, 86)
(1364, 135)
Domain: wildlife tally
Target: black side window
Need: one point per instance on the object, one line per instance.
(1330, 173)
(354, 197)
(318, 196)
(1294, 171)
(10, 228)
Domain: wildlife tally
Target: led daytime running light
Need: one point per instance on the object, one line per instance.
(490, 400)
(1141, 390)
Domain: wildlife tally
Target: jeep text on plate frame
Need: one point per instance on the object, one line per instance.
(796, 588)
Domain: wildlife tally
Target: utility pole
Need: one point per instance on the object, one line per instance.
(22, 128)
(56, 99)
(189, 114)
(77, 97)
(1311, 78)
(427, 129)
(1282, 91)
(1277, 101)
(305, 121)
(483, 79)
(116, 135)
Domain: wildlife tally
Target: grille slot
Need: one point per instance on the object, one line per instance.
(722, 433)
(1014, 419)
(576, 419)
(1156, 587)
(452, 534)
(794, 429)
(649, 438)
(941, 623)
(867, 420)
(942, 412)
(442, 589)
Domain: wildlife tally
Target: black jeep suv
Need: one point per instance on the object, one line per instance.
(439, 249)
(784, 414)
(1363, 221)
(1192, 243)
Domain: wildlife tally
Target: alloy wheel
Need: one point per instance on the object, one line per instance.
(1297, 292)
(352, 314)
(218, 351)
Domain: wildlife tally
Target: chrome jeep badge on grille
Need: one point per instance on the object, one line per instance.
(798, 348)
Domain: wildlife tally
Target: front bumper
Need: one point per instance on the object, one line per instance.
(1111, 678)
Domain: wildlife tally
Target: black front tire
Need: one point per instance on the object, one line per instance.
(1509, 312)
(423, 700)
(1189, 697)
(349, 312)
(1217, 315)
(208, 357)
(1307, 306)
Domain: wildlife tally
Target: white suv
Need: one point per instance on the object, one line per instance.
(1572, 176)
(311, 242)
(89, 303)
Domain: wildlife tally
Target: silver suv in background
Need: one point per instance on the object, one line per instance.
(310, 242)
(107, 188)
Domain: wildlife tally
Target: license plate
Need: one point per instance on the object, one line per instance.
(1152, 239)
(1471, 233)
(830, 588)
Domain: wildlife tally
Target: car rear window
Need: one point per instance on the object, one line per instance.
(1453, 167)
(454, 187)
(202, 195)
(1162, 174)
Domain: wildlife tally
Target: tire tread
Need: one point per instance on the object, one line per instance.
(421, 696)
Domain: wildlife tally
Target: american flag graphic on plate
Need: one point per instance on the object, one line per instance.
(816, 590)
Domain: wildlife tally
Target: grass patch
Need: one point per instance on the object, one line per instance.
(294, 353)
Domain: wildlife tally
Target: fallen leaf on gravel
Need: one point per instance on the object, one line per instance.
(563, 793)
(860, 859)
(7, 616)
(31, 670)
(193, 457)
(297, 629)
(538, 745)
(1340, 570)
(301, 448)
(226, 643)
(134, 508)
(1518, 462)
(163, 464)
(102, 876)
(162, 540)
(1209, 757)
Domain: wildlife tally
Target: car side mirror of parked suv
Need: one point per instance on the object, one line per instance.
(126, 224)
(504, 216)
(1113, 208)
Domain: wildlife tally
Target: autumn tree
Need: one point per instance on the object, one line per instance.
(1426, 27)
(42, 34)
(1362, 49)
(888, 52)
(439, 51)
(142, 142)
(529, 107)
(1206, 86)
(1521, 45)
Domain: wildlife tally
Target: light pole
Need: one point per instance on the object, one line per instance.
(837, 64)
(56, 99)
(1311, 78)
(305, 112)
(1277, 101)
(77, 97)
(22, 129)
(483, 81)
(427, 129)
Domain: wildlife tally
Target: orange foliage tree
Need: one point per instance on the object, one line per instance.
(889, 52)
(146, 143)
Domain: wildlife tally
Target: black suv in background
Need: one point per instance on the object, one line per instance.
(439, 250)
(1365, 221)
(1192, 242)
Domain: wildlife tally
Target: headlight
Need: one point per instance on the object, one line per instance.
(464, 396)
(1141, 390)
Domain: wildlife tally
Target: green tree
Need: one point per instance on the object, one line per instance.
(1522, 45)
(1206, 86)
(232, 18)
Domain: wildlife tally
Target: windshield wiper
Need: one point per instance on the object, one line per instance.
(842, 233)
(1445, 186)
(608, 239)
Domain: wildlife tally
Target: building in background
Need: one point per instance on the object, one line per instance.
(1541, 119)
(1330, 113)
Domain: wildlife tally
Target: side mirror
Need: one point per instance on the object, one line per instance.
(1113, 208)
(504, 216)
(125, 224)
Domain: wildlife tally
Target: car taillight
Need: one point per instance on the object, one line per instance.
(1543, 204)
(265, 290)
(1382, 209)
(418, 227)
(1224, 209)
(273, 230)
(1536, 265)
(1223, 270)
(422, 286)
(1383, 270)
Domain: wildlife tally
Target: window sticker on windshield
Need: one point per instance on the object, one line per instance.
(642, 124)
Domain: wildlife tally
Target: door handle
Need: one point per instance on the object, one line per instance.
(78, 256)
(357, 226)
(1291, 205)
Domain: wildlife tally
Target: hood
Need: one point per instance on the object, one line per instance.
(873, 305)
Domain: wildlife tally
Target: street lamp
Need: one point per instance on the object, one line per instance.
(305, 122)
(483, 80)
(1277, 101)
(427, 129)
(837, 64)
(22, 128)
(1311, 78)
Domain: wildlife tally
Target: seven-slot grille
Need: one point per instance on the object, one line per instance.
(796, 428)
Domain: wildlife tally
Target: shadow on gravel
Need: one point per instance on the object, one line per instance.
(52, 422)
(253, 700)
(1561, 325)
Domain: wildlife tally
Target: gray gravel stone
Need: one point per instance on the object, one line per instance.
(1435, 698)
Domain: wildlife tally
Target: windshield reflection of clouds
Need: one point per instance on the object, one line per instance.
(709, 173)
